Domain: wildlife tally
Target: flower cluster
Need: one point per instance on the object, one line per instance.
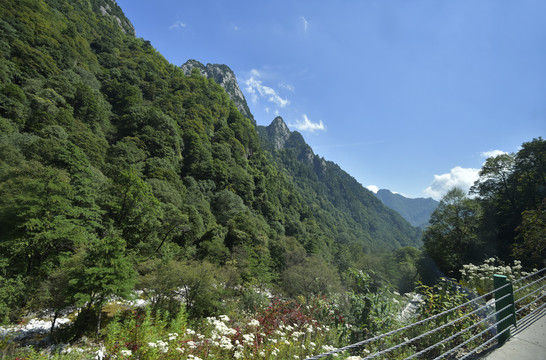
(480, 277)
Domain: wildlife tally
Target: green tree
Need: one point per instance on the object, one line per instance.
(310, 278)
(531, 247)
(38, 218)
(98, 272)
(452, 238)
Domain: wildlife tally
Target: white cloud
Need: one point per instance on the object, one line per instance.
(255, 87)
(286, 86)
(492, 153)
(177, 25)
(458, 176)
(308, 125)
(372, 188)
(305, 23)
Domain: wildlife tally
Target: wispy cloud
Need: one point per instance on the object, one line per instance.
(373, 188)
(286, 86)
(493, 153)
(255, 88)
(305, 23)
(177, 25)
(458, 176)
(308, 125)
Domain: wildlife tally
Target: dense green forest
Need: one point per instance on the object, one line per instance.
(109, 151)
(123, 177)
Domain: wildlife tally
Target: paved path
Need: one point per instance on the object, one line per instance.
(527, 342)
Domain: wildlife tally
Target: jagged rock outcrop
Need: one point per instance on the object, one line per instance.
(278, 133)
(112, 10)
(225, 77)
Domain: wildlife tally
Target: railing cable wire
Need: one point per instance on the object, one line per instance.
(460, 332)
(378, 337)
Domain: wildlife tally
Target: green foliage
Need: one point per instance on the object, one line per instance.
(504, 220)
(452, 237)
(310, 278)
(372, 308)
(532, 233)
(197, 283)
(445, 295)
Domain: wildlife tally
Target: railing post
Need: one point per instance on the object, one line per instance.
(499, 281)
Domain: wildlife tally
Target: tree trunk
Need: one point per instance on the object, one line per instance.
(99, 305)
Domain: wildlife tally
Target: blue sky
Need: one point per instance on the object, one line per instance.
(406, 95)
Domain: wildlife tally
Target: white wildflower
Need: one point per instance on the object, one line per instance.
(126, 352)
(248, 339)
(225, 343)
(100, 354)
(253, 322)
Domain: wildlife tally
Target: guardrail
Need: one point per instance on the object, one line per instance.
(505, 317)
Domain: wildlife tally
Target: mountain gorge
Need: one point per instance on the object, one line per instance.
(114, 163)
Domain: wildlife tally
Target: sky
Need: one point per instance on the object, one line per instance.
(406, 95)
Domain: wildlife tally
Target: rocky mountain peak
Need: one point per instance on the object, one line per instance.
(225, 77)
(278, 133)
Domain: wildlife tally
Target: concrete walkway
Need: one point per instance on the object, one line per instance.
(527, 342)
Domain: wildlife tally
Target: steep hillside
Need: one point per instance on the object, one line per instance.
(112, 159)
(325, 182)
(416, 211)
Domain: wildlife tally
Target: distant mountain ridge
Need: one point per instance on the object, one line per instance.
(416, 211)
(335, 188)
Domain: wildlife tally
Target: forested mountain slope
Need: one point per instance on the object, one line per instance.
(111, 157)
(322, 181)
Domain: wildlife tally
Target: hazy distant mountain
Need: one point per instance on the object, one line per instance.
(416, 211)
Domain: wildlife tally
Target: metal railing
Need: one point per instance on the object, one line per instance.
(505, 315)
